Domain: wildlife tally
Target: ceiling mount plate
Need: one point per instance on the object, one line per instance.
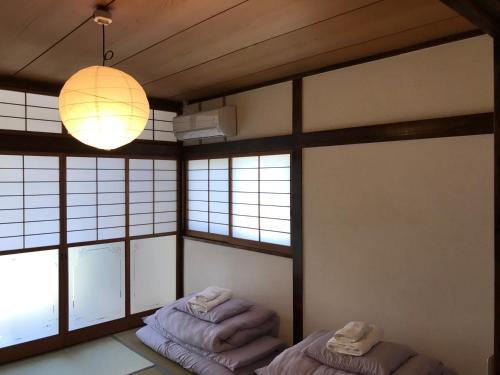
(102, 17)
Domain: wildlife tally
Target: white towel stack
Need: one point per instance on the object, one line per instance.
(207, 299)
(355, 338)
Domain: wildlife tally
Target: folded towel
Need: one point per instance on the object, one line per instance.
(351, 332)
(226, 310)
(206, 300)
(372, 337)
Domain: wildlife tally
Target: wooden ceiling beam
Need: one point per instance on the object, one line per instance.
(53, 88)
(485, 14)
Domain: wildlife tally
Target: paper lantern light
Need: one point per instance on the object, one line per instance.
(103, 107)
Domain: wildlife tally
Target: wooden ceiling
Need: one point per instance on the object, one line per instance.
(187, 49)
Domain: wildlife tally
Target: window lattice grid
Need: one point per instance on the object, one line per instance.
(152, 196)
(208, 196)
(95, 198)
(159, 126)
(29, 201)
(29, 112)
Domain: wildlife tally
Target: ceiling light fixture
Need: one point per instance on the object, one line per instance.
(101, 106)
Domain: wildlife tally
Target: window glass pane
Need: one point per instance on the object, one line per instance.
(165, 227)
(198, 226)
(245, 233)
(246, 162)
(275, 238)
(219, 229)
(152, 272)
(30, 304)
(275, 161)
(96, 284)
(197, 164)
(139, 230)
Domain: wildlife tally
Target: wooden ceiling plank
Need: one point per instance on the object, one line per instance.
(241, 27)
(29, 27)
(453, 29)
(136, 25)
(380, 19)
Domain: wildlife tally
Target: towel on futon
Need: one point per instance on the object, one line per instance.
(225, 310)
(371, 337)
(383, 359)
(209, 298)
(351, 332)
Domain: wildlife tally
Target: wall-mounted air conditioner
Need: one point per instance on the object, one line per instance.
(219, 122)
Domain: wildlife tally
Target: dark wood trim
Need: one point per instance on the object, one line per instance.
(128, 297)
(54, 88)
(297, 106)
(238, 244)
(455, 126)
(362, 60)
(63, 250)
(179, 252)
(497, 202)
(296, 214)
(65, 144)
(276, 144)
(297, 246)
(31, 348)
(481, 123)
(485, 14)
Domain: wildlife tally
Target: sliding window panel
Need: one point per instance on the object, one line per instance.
(12, 110)
(110, 198)
(81, 190)
(141, 197)
(11, 202)
(95, 198)
(274, 199)
(218, 196)
(29, 201)
(96, 284)
(152, 272)
(245, 198)
(41, 201)
(197, 213)
(163, 127)
(165, 196)
(29, 294)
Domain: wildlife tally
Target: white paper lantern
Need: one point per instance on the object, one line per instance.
(103, 107)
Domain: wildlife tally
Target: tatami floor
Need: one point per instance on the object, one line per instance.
(120, 354)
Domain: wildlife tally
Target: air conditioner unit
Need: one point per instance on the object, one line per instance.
(219, 122)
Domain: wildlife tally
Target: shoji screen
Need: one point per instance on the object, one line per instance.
(208, 196)
(159, 126)
(29, 201)
(152, 196)
(261, 198)
(96, 284)
(29, 112)
(152, 272)
(95, 198)
(29, 296)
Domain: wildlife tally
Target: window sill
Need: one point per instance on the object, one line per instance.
(259, 247)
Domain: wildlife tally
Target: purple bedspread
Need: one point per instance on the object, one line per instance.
(228, 334)
(309, 358)
(247, 359)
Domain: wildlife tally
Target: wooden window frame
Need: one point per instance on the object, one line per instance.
(229, 240)
(65, 337)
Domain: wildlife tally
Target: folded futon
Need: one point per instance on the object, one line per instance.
(235, 337)
(311, 357)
